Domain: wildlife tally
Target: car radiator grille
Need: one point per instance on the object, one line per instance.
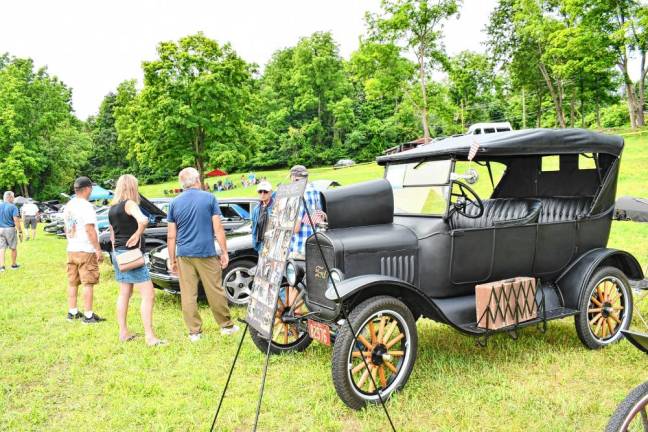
(316, 275)
(158, 265)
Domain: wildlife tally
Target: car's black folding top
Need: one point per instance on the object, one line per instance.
(515, 143)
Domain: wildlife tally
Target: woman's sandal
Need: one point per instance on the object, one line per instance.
(129, 338)
(159, 342)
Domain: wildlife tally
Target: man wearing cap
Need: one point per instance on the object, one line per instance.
(84, 253)
(261, 214)
(9, 230)
(303, 230)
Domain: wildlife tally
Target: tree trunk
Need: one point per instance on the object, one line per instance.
(598, 114)
(642, 93)
(199, 144)
(463, 123)
(582, 103)
(523, 110)
(539, 112)
(555, 96)
(424, 109)
(572, 108)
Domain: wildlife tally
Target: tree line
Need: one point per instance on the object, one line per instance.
(548, 63)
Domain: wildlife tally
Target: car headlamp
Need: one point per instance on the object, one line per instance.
(335, 276)
(291, 273)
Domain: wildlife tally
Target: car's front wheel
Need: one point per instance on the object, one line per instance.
(237, 282)
(605, 309)
(286, 335)
(383, 357)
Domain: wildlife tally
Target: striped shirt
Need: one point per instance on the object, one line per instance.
(298, 243)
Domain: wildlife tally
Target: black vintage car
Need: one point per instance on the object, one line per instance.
(414, 245)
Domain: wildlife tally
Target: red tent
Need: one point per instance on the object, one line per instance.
(216, 173)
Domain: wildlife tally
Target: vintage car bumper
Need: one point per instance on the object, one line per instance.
(165, 281)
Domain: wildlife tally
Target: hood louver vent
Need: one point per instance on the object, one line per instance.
(401, 267)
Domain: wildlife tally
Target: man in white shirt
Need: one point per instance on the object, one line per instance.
(30, 212)
(84, 253)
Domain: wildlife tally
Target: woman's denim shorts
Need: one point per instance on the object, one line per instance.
(134, 276)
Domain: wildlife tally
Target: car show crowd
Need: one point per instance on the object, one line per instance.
(194, 220)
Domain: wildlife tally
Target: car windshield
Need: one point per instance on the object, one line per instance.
(420, 188)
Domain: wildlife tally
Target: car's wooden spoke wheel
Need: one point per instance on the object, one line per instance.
(379, 360)
(606, 309)
(286, 336)
(383, 345)
(290, 302)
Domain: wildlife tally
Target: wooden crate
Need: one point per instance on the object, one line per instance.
(506, 302)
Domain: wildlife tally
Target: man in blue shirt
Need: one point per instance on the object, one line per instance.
(9, 229)
(194, 221)
(303, 230)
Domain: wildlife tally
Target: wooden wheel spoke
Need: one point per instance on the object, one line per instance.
(391, 366)
(596, 302)
(616, 296)
(395, 340)
(594, 310)
(617, 308)
(365, 342)
(372, 332)
(381, 328)
(604, 328)
(597, 329)
(381, 375)
(389, 331)
(358, 368)
(372, 387)
(396, 353)
(363, 379)
(599, 291)
(356, 354)
(595, 319)
(611, 325)
(615, 318)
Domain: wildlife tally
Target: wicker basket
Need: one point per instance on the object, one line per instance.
(505, 303)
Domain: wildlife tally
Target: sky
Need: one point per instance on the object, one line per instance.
(93, 45)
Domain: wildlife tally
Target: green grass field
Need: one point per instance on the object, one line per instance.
(62, 376)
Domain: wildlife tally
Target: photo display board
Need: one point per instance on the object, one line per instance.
(272, 260)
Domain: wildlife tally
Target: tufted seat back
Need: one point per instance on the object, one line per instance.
(500, 211)
(564, 209)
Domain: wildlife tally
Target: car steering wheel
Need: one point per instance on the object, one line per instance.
(466, 196)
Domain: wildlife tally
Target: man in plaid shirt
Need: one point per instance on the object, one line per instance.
(304, 230)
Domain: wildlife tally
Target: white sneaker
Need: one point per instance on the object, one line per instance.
(195, 337)
(227, 331)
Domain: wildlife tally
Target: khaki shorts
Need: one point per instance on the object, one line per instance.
(30, 222)
(82, 267)
(8, 238)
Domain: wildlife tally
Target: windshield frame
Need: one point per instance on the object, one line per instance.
(446, 195)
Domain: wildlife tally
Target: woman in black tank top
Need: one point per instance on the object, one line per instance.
(127, 224)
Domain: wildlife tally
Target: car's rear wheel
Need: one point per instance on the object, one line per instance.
(631, 414)
(237, 282)
(286, 336)
(605, 309)
(387, 339)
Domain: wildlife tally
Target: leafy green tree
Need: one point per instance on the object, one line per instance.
(192, 108)
(35, 112)
(416, 25)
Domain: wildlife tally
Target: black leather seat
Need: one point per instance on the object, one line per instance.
(500, 212)
(564, 209)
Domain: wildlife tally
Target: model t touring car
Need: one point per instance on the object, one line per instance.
(534, 203)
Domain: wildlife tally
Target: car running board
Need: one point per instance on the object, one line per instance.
(558, 313)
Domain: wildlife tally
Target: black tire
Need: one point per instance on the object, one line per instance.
(234, 275)
(280, 344)
(599, 325)
(363, 318)
(631, 411)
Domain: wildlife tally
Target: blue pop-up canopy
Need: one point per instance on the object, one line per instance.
(99, 193)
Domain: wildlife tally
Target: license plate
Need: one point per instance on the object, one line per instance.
(319, 332)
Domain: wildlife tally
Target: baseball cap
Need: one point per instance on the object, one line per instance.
(264, 186)
(299, 171)
(82, 182)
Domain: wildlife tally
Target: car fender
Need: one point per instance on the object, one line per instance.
(573, 281)
(358, 288)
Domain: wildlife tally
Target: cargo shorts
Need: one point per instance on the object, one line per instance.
(82, 267)
(8, 238)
